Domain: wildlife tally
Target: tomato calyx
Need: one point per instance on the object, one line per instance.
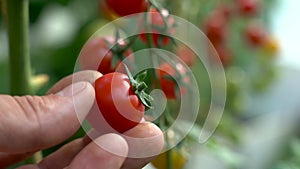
(139, 86)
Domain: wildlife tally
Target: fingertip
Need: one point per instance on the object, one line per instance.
(108, 151)
(85, 75)
(113, 143)
(83, 100)
(145, 140)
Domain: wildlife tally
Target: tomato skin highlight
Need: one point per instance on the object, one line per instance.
(127, 7)
(117, 102)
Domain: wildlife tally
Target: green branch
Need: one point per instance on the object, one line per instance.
(21, 81)
(17, 25)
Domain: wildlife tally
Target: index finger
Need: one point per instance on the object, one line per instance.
(86, 75)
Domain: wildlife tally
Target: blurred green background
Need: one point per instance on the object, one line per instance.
(260, 122)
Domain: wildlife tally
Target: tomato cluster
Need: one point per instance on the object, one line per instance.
(219, 22)
(216, 31)
(156, 28)
(120, 98)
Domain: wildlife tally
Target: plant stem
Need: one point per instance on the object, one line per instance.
(154, 64)
(17, 18)
(17, 25)
(168, 153)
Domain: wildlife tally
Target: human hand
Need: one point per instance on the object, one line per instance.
(32, 123)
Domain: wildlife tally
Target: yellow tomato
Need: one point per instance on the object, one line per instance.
(106, 12)
(178, 160)
(271, 46)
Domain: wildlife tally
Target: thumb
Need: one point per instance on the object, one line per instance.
(31, 123)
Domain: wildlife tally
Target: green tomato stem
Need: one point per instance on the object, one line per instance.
(168, 120)
(17, 25)
(169, 159)
(157, 83)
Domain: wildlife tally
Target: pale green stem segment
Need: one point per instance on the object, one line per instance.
(17, 12)
(17, 18)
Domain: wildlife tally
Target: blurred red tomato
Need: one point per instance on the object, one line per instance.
(127, 7)
(224, 10)
(158, 29)
(186, 55)
(98, 55)
(223, 53)
(215, 27)
(248, 7)
(168, 78)
(255, 34)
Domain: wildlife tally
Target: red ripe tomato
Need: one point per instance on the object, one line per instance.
(158, 28)
(117, 102)
(169, 86)
(248, 7)
(97, 55)
(256, 34)
(215, 27)
(225, 10)
(186, 55)
(127, 7)
(224, 54)
(106, 12)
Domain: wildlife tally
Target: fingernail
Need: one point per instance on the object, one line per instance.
(73, 89)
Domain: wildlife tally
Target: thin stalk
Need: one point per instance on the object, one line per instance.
(154, 64)
(17, 26)
(169, 159)
(169, 155)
